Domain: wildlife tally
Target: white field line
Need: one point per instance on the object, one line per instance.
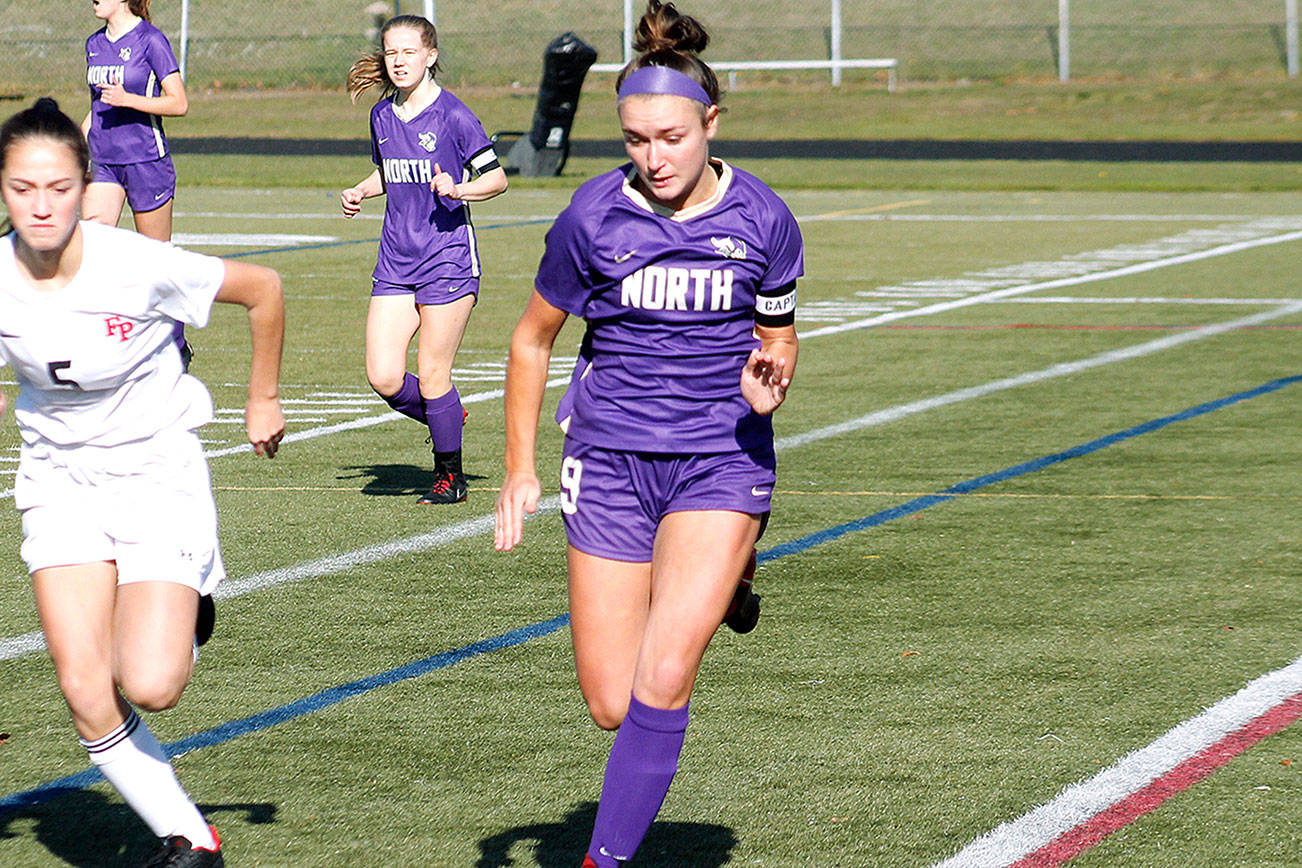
(1080, 802)
(1071, 299)
(1008, 292)
(19, 645)
(247, 239)
(1043, 218)
(1062, 369)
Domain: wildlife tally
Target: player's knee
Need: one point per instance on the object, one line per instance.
(385, 385)
(84, 687)
(154, 698)
(607, 712)
(153, 693)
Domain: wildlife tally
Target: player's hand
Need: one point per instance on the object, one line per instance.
(351, 201)
(764, 382)
(519, 494)
(265, 424)
(443, 184)
(113, 94)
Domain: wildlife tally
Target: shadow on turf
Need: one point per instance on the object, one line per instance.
(395, 480)
(562, 844)
(83, 828)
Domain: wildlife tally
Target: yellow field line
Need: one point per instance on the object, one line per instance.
(890, 207)
(1059, 496)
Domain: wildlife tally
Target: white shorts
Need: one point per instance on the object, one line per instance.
(146, 506)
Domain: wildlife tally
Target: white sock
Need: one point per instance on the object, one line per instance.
(134, 763)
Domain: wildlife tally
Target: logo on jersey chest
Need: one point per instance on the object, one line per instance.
(403, 171)
(729, 247)
(125, 54)
(119, 327)
(671, 287)
(428, 141)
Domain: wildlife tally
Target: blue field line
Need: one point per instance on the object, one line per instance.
(294, 248)
(967, 486)
(334, 695)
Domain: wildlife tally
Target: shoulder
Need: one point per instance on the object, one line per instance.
(602, 191)
(751, 188)
(383, 104)
(591, 202)
(97, 37)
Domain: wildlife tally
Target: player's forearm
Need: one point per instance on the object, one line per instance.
(167, 105)
(781, 344)
(267, 331)
(370, 186)
(526, 380)
(486, 186)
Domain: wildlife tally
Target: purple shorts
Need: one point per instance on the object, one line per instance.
(438, 292)
(613, 501)
(149, 185)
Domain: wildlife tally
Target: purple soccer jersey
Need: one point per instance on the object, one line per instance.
(139, 60)
(427, 238)
(671, 304)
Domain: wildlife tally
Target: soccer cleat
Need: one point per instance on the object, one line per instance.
(205, 620)
(178, 852)
(448, 488)
(744, 610)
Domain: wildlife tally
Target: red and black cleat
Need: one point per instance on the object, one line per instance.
(744, 610)
(447, 488)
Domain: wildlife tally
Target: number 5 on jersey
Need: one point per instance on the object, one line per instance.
(571, 473)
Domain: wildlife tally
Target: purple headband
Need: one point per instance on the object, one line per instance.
(663, 80)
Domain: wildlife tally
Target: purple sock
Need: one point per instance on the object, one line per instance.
(642, 763)
(408, 401)
(444, 417)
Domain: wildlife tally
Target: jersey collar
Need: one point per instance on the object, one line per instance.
(647, 204)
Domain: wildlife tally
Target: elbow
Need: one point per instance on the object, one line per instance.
(182, 107)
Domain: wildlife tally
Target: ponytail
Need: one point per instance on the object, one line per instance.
(666, 37)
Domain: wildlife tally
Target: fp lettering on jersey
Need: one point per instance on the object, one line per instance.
(120, 326)
(658, 287)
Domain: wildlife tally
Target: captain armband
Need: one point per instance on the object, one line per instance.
(776, 307)
(483, 161)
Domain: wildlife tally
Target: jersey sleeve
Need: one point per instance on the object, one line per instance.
(563, 276)
(775, 300)
(185, 284)
(160, 57)
(474, 143)
(786, 249)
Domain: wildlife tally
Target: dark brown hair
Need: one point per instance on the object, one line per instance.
(43, 120)
(368, 71)
(666, 37)
(139, 8)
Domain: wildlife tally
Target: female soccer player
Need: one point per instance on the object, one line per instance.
(685, 271)
(134, 82)
(426, 276)
(119, 525)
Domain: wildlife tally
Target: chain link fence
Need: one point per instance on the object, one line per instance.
(311, 43)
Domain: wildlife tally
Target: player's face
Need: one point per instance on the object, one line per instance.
(668, 142)
(105, 8)
(41, 186)
(406, 59)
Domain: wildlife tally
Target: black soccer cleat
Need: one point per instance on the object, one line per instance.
(178, 852)
(744, 610)
(205, 620)
(448, 488)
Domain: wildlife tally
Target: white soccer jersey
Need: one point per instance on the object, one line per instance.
(95, 360)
